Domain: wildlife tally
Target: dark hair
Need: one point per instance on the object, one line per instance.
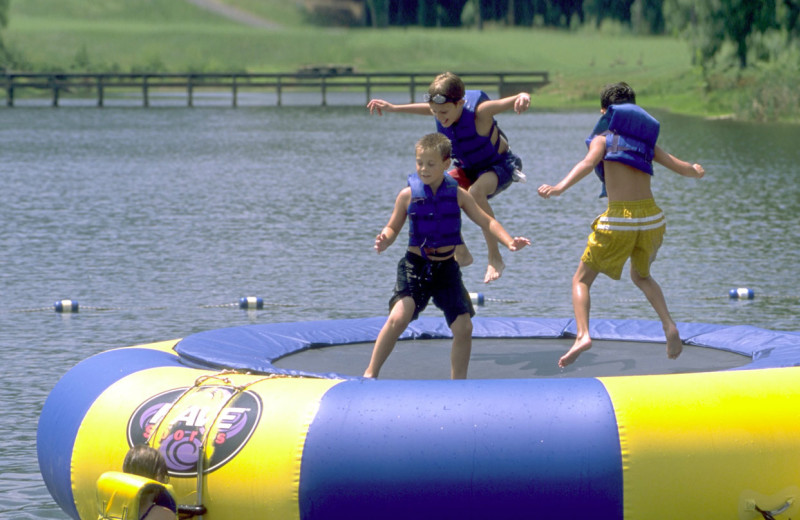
(146, 462)
(617, 94)
(448, 85)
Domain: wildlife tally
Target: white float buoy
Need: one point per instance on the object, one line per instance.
(66, 306)
(477, 298)
(742, 293)
(251, 302)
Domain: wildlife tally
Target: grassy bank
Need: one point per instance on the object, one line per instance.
(172, 36)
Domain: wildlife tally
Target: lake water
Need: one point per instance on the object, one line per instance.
(158, 220)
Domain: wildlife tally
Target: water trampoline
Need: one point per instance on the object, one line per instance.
(272, 421)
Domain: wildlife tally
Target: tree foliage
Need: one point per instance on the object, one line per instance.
(711, 23)
(600, 10)
(526, 13)
(707, 24)
(3, 23)
(551, 13)
(648, 16)
(790, 17)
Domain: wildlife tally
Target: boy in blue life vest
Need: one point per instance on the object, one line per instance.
(433, 202)
(484, 162)
(622, 148)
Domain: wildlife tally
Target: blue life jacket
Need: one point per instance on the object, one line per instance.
(434, 220)
(631, 135)
(472, 151)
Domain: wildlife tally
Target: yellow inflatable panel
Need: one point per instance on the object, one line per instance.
(264, 442)
(690, 442)
(268, 456)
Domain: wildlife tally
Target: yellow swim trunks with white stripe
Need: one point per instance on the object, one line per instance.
(627, 229)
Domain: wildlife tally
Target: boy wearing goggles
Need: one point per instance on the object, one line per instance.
(484, 163)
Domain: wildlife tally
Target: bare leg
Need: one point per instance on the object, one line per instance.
(581, 303)
(480, 191)
(655, 296)
(462, 346)
(463, 256)
(399, 318)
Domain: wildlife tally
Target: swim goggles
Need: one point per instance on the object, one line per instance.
(437, 98)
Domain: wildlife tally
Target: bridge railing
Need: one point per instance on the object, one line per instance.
(324, 80)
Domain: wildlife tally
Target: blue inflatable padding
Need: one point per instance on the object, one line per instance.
(256, 347)
(431, 328)
(423, 328)
(639, 330)
(519, 327)
(68, 403)
(463, 449)
(485, 443)
(767, 348)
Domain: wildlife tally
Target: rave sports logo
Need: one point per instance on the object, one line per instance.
(186, 423)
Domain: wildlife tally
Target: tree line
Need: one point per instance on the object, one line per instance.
(3, 23)
(707, 24)
(757, 30)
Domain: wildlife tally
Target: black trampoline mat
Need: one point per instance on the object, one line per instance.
(498, 358)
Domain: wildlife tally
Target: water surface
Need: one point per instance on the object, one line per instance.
(157, 221)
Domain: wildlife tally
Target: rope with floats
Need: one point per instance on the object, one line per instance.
(69, 306)
(257, 303)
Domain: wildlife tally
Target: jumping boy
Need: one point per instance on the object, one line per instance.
(433, 202)
(622, 147)
(484, 162)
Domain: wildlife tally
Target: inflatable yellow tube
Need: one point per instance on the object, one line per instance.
(710, 445)
(290, 445)
(267, 467)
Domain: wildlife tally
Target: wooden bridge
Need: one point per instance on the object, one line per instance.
(323, 79)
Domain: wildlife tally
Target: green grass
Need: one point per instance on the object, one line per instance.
(287, 13)
(176, 36)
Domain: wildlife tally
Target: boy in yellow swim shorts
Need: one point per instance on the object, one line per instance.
(622, 148)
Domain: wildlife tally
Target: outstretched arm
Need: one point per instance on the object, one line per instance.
(480, 217)
(380, 106)
(389, 233)
(597, 150)
(519, 103)
(677, 165)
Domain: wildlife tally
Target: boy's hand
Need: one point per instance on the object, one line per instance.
(546, 191)
(699, 171)
(522, 103)
(379, 105)
(518, 243)
(381, 242)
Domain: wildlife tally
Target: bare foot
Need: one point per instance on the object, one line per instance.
(674, 343)
(463, 256)
(580, 345)
(494, 270)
